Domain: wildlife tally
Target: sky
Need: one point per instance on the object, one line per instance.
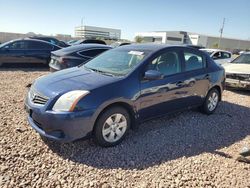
(50, 17)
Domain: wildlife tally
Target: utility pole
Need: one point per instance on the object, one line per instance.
(221, 31)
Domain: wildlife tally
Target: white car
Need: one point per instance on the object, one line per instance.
(238, 72)
(219, 56)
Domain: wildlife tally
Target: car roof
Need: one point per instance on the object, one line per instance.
(29, 39)
(214, 50)
(42, 37)
(152, 47)
(86, 46)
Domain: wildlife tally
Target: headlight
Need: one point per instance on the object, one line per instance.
(68, 101)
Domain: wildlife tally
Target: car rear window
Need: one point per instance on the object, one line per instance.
(92, 53)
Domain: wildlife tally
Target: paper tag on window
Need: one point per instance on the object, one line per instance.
(136, 53)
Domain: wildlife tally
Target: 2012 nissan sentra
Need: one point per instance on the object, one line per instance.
(121, 88)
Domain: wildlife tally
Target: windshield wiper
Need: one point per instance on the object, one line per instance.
(99, 71)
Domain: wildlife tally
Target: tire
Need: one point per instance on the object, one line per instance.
(112, 126)
(211, 102)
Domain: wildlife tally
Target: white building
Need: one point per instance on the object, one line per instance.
(97, 32)
(165, 37)
(182, 37)
(215, 42)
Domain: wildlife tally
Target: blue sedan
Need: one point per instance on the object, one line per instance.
(121, 88)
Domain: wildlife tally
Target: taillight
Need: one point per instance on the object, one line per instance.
(63, 61)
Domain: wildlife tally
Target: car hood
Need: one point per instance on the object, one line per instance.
(71, 79)
(238, 68)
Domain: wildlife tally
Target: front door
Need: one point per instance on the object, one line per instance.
(161, 96)
(14, 52)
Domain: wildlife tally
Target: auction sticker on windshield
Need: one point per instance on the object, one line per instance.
(135, 53)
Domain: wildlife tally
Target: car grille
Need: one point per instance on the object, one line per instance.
(37, 98)
(245, 77)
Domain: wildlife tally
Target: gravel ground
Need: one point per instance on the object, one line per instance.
(187, 149)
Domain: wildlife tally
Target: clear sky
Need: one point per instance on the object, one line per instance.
(131, 16)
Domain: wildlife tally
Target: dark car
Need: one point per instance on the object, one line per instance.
(89, 41)
(120, 88)
(26, 51)
(117, 44)
(75, 55)
(195, 46)
(51, 40)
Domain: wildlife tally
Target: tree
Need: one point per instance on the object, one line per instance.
(138, 39)
(215, 45)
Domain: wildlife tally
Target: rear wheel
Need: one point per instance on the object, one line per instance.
(112, 126)
(211, 102)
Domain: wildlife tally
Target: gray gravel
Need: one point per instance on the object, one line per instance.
(187, 149)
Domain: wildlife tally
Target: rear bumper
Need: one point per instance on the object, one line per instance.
(61, 126)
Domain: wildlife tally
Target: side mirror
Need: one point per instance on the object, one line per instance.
(153, 75)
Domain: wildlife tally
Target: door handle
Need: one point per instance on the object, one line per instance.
(207, 76)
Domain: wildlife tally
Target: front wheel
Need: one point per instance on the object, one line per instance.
(112, 126)
(211, 102)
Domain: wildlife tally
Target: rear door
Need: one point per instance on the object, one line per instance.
(196, 74)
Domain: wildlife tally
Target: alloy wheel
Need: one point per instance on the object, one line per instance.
(212, 101)
(114, 127)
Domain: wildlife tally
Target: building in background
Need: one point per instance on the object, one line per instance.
(213, 42)
(6, 36)
(91, 32)
(165, 37)
(183, 37)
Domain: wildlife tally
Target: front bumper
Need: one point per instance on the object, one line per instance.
(60, 126)
(235, 83)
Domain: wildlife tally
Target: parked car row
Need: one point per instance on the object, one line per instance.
(59, 55)
(26, 51)
(39, 50)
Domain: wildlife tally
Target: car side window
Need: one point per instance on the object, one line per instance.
(226, 55)
(194, 61)
(92, 53)
(39, 46)
(167, 63)
(217, 55)
(18, 45)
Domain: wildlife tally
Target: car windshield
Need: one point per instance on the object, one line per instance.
(242, 59)
(116, 62)
(2, 45)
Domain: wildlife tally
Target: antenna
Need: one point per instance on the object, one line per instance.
(221, 31)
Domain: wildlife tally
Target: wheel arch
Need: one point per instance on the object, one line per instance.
(124, 105)
(218, 88)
